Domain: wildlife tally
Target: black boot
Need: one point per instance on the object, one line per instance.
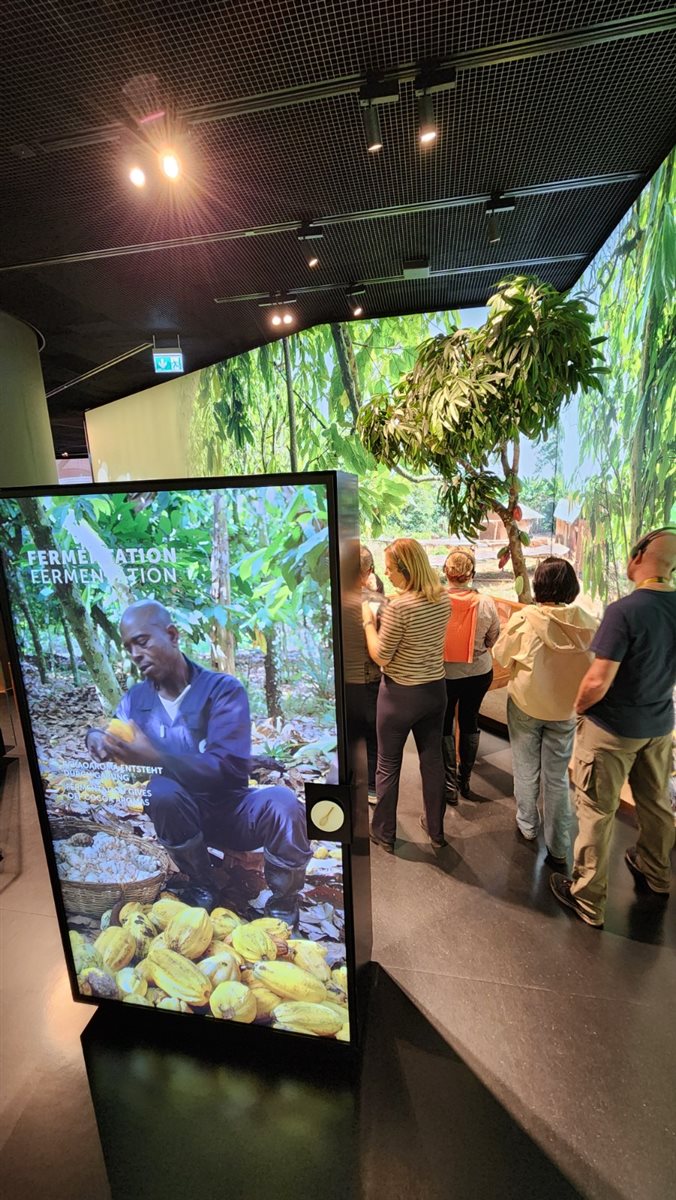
(192, 859)
(450, 769)
(469, 745)
(286, 884)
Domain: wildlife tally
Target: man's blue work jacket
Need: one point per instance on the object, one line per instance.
(207, 747)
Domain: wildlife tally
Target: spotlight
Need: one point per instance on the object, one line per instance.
(287, 318)
(354, 300)
(427, 129)
(492, 229)
(170, 164)
(137, 176)
(377, 90)
(275, 319)
(374, 141)
(497, 205)
(310, 233)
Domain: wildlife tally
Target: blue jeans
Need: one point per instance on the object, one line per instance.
(541, 751)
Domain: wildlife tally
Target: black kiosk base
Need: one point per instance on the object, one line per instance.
(210, 1116)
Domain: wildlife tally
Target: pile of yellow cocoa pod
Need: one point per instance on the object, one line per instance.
(172, 956)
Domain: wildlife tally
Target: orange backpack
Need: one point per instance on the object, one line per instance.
(461, 629)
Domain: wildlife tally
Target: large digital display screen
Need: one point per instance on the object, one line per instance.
(176, 649)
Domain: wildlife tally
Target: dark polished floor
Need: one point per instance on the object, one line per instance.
(511, 1051)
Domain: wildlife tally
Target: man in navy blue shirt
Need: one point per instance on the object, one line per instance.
(194, 725)
(625, 705)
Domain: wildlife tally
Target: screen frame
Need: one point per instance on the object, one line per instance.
(333, 482)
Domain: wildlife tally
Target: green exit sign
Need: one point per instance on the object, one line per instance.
(168, 362)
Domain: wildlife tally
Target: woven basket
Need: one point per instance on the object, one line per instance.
(93, 899)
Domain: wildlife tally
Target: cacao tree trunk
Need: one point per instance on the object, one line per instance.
(74, 611)
(222, 640)
(273, 701)
(71, 652)
(291, 406)
(342, 339)
(24, 607)
(506, 513)
(518, 560)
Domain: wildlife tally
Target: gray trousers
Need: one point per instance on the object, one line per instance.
(418, 709)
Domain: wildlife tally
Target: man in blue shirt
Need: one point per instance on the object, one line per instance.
(625, 705)
(194, 725)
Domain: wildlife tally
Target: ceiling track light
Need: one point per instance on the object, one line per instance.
(374, 140)
(280, 312)
(355, 302)
(427, 126)
(430, 81)
(496, 204)
(307, 235)
(375, 92)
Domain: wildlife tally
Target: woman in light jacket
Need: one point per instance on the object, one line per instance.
(412, 695)
(472, 630)
(546, 648)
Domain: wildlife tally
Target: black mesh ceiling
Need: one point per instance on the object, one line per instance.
(564, 107)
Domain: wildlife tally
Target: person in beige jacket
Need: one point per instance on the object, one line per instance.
(546, 647)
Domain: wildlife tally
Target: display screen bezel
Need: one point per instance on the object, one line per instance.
(331, 481)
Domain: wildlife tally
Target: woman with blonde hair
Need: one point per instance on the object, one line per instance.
(409, 647)
(472, 630)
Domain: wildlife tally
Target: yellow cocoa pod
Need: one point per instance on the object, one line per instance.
(219, 969)
(273, 926)
(77, 942)
(253, 944)
(142, 930)
(339, 1009)
(165, 909)
(217, 947)
(127, 909)
(116, 948)
(294, 1029)
(179, 977)
(121, 729)
(343, 1034)
(313, 1018)
(336, 854)
(144, 969)
(130, 983)
(290, 982)
(266, 1000)
(233, 1001)
(85, 956)
(134, 998)
(309, 956)
(321, 852)
(173, 1005)
(189, 933)
(224, 920)
(339, 978)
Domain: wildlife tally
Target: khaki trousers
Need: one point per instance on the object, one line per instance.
(601, 763)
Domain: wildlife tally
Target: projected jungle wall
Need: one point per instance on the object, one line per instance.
(606, 473)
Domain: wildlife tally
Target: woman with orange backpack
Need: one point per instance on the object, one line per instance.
(473, 628)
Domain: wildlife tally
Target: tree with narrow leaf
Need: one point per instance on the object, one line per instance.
(473, 393)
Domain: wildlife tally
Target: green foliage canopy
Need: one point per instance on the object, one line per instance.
(472, 392)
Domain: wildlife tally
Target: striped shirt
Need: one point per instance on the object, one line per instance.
(411, 638)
